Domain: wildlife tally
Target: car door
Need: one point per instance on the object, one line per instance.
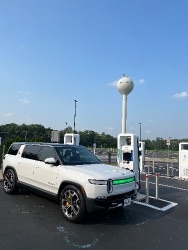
(45, 175)
(26, 163)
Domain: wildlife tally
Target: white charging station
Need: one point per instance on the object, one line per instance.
(183, 160)
(72, 139)
(142, 155)
(128, 152)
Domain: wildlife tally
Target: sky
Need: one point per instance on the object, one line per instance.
(53, 52)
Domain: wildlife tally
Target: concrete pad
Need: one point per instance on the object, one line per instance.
(140, 197)
(1, 175)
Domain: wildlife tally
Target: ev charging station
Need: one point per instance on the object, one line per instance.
(72, 139)
(142, 155)
(128, 152)
(183, 160)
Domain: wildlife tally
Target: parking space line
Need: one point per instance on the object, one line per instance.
(163, 209)
(163, 185)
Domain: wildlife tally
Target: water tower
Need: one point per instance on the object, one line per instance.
(127, 143)
(125, 85)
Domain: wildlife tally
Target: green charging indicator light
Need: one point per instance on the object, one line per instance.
(123, 181)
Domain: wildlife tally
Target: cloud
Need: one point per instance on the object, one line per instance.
(141, 81)
(8, 114)
(23, 97)
(181, 95)
(24, 100)
(24, 93)
(148, 131)
(132, 128)
(110, 128)
(113, 84)
(25, 120)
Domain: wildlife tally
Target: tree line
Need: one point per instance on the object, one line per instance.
(37, 132)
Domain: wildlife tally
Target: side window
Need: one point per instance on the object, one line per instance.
(31, 152)
(46, 153)
(13, 150)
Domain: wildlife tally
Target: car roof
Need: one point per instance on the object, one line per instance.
(47, 144)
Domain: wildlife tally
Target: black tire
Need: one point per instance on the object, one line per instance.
(9, 183)
(72, 204)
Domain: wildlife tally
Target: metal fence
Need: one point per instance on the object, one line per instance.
(166, 168)
(163, 167)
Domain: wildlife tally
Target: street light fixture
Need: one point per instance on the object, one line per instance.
(75, 101)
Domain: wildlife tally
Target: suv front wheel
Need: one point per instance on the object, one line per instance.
(9, 184)
(72, 204)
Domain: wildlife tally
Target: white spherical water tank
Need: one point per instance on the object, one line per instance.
(125, 85)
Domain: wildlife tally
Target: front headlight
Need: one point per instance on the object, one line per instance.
(108, 184)
(97, 182)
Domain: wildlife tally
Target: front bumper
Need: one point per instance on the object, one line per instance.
(110, 201)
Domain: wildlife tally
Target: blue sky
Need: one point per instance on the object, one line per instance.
(54, 51)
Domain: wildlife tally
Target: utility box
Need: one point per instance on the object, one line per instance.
(141, 155)
(128, 153)
(183, 160)
(72, 139)
(55, 136)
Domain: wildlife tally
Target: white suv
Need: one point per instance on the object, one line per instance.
(71, 174)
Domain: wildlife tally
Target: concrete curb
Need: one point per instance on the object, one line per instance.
(1, 175)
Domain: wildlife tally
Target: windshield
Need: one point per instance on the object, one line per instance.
(76, 156)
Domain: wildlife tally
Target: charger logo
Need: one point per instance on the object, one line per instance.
(184, 157)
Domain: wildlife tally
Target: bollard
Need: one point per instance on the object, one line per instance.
(148, 167)
(157, 187)
(167, 169)
(172, 169)
(147, 188)
(109, 157)
(153, 167)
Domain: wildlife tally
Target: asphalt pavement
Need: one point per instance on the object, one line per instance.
(29, 221)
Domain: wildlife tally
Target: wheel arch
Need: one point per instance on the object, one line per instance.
(12, 168)
(67, 183)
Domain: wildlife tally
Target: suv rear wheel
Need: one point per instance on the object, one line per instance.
(9, 184)
(72, 204)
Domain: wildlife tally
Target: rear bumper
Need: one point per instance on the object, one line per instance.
(110, 201)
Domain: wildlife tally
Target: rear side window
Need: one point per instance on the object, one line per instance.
(13, 150)
(31, 152)
(46, 153)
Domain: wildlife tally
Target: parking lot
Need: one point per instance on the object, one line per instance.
(29, 221)
(154, 163)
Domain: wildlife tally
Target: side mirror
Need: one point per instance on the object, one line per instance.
(50, 160)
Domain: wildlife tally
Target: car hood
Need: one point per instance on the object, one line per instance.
(102, 171)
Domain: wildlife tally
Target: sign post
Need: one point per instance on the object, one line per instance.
(94, 147)
(168, 144)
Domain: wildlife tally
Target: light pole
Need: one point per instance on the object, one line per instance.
(75, 101)
(168, 144)
(66, 127)
(25, 135)
(140, 130)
